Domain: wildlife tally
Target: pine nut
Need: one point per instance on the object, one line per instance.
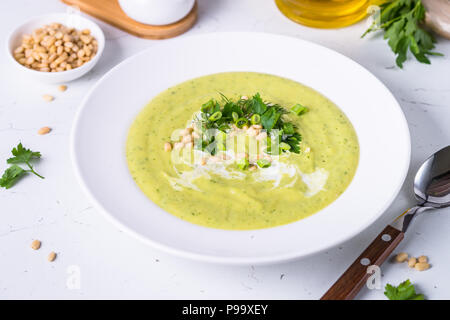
(423, 259)
(62, 87)
(167, 146)
(35, 245)
(52, 256)
(412, 262)
(52, 57)
(18, 56)
(85, 39)
(422, 266)
(401, 257)
(44, 130)
(47, 97)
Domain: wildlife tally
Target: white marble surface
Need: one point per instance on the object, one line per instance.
(113, 264)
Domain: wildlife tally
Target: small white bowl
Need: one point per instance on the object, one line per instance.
(70, 20)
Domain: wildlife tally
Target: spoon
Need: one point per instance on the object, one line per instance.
(432, 191)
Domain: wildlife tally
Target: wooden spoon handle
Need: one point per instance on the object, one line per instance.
(349, 284)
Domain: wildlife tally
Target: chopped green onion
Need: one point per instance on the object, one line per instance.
(242, 163)
(263, 163)
(215, 116)
(206, 107)
(235, 116)
(298, 109)
(241, 122)
(284, 146)
(255, 119)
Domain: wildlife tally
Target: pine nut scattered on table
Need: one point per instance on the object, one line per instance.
(48, 97)
(44, 130)
(423, 259)
(52, 256)
(35, 245)
(401, 257)
(422, 266)
(412, 262)
(62, 88)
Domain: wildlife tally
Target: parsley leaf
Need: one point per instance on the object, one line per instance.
(10, 176)
(402, 22)
(257, 104)
(15, 172)
(270, 118)
(22, 155)
(404, 291)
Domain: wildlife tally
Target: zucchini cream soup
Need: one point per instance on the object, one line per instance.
(242, 150)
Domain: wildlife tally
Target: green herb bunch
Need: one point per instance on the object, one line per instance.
(245, 112)
(402, 22)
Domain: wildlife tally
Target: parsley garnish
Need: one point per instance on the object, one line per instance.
(402, 21)
(21, 155)
(404, 291)
(243, 112)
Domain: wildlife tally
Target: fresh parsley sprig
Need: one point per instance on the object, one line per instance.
(402, 22)
(21, 155)
(404, 291)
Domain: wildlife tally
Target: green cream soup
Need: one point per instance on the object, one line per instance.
(295, 186)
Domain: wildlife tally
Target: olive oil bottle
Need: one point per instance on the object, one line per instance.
(326, 13)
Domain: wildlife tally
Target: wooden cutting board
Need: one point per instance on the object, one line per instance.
(110, 12)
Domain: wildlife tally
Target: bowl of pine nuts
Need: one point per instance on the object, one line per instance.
(56, 48)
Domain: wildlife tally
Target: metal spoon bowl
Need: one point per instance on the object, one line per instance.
(431, 185)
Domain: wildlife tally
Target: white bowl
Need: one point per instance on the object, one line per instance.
(101, 126)
(70, 20)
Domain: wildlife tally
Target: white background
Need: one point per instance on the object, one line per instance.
(115, 265)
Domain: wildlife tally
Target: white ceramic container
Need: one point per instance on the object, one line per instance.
(156, 12)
